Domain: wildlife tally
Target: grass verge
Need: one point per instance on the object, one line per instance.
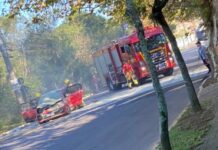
(191, 128)
(6, 128)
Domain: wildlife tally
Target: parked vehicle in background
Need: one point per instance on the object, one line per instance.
(51, 106)
(28, 112)
(200, 32)
(74, 96)
(109, 59)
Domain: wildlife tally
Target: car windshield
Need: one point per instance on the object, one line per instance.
(50, 98)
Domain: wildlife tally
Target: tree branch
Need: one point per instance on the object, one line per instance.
(159, 4)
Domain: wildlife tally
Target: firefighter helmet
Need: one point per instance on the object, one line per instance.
(66, 81)
(37, 94)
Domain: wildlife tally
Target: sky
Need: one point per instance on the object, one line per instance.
(3, 7)
(26, 16)
(51, 16)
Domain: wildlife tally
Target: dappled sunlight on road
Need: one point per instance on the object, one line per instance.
(166, 81)
(39, 137)
(35, 136)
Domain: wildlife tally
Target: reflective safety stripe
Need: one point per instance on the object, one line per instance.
(129, 84)
(135, 81)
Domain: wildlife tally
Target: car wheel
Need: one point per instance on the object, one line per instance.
(39, 118)
(68, 110)
(111, 86)
(73, 108)
(82, 104)
(27, 120)
(168, 72)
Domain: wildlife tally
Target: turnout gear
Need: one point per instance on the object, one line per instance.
(129, 75)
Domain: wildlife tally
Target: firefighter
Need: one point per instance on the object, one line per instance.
(67, 82)
(24, 90)
(67, 85)
(34, 101)
(95, 80)
(67, 91)
(129, 74)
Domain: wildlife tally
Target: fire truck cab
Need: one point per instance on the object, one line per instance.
(110, 58)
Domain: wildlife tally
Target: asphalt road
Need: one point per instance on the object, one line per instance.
(119, 126)
(133, 126)
(190, 57)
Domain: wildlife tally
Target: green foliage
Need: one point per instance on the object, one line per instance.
(190, 130)
(187, 10)
(9, 109)
(175, 10)
(179, 138)
(100, 30)
(66, 52)
(22, 69)
(55, 59)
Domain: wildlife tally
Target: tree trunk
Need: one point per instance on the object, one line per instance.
(159, 17)
(133, 14)
(212, 25)
(11, 75)
(26, 69)
(213, 47)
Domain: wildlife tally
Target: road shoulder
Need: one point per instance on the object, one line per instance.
(210, 140)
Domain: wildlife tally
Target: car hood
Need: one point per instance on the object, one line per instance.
(48, 102)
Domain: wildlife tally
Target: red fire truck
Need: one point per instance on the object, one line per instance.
(110, 58)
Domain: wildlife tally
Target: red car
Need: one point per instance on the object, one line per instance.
(51, 106)
(28, 112)
(58, 103)
(74, 96)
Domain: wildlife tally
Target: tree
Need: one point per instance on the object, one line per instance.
(11, 74)
(67, 50)
(164, 134)
(157, 14)
(212, 24)
(12, 38)
(159, 17)
(205, 10)
(9, 108)
(60, 54)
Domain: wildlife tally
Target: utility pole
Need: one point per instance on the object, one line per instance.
(11, 75)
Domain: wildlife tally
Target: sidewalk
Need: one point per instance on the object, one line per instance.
(211, 139)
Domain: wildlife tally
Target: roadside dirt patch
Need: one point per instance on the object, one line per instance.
(190, 130)
(210, 140)
(197, 121)
(209, 81)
